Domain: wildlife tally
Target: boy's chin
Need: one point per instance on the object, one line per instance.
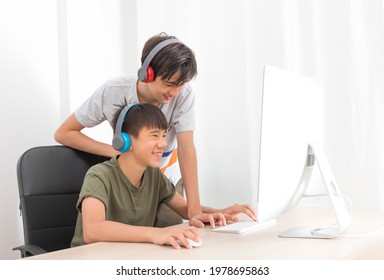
(154, 164)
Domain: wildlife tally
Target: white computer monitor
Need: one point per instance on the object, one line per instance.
(291, 124)
(338, 201)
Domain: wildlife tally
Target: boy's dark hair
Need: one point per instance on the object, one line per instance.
(142, 115)
(171, 59)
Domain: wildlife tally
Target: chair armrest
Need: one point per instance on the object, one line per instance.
(28, 250)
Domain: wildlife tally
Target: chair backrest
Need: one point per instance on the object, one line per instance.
(49, 180)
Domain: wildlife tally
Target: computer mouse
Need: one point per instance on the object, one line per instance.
(194, 243)
(191, 242)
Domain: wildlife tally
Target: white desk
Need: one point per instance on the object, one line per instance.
(262, 245)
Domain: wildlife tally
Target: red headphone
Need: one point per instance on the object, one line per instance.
(146, 73)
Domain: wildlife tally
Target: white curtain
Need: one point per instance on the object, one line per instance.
(366, 106)
(338, 42)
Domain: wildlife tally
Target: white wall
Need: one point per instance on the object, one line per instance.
(29, 99)
(99, 48)
(53, 55)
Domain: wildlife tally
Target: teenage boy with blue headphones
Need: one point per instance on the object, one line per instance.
(168, 66)
(120, 197)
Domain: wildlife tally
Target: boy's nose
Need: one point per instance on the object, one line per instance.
(162, 143)
(176, 90)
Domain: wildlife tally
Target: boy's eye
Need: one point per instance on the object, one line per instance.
(158, 134)
(168, 84)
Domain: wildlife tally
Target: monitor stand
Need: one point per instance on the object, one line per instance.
(315, 155)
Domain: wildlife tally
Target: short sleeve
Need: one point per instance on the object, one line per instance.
(107, 101)
(167, 190)
(92, 187)
(90, 113)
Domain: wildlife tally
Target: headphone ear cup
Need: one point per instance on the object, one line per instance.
(145, 72)
(150, 74)
(126, 141)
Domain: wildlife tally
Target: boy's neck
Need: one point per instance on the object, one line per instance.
(133, 171)
(142, 96)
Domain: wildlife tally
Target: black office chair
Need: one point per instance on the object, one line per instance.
(49, 180)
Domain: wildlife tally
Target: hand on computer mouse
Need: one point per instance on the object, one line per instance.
(177, 237)
(190, 243)
(194, 243)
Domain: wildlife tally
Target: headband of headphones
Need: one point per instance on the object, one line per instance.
(121, 140)
(146, 73)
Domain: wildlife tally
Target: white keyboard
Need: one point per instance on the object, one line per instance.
(241, 227)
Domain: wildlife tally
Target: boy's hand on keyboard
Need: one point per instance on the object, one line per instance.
(214, 219)
(231, 212)
(220, 217)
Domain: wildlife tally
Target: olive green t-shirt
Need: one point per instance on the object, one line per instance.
(123, 202)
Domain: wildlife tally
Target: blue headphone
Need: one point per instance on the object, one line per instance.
(146, 73)
(121, 140)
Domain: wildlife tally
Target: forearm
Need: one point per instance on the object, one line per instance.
(209, 210)
(80, 141)
(179, 205)
(188, 168)
(193, 201)
(110, 231)
(69, 134)
(117, 232)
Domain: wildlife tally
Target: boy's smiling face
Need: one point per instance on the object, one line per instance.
(149, 146)
(164, 91)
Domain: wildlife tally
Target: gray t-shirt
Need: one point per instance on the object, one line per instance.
(113, 95)
(123, 202)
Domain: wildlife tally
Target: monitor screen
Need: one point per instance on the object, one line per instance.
(290, 148)
(292, 117)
